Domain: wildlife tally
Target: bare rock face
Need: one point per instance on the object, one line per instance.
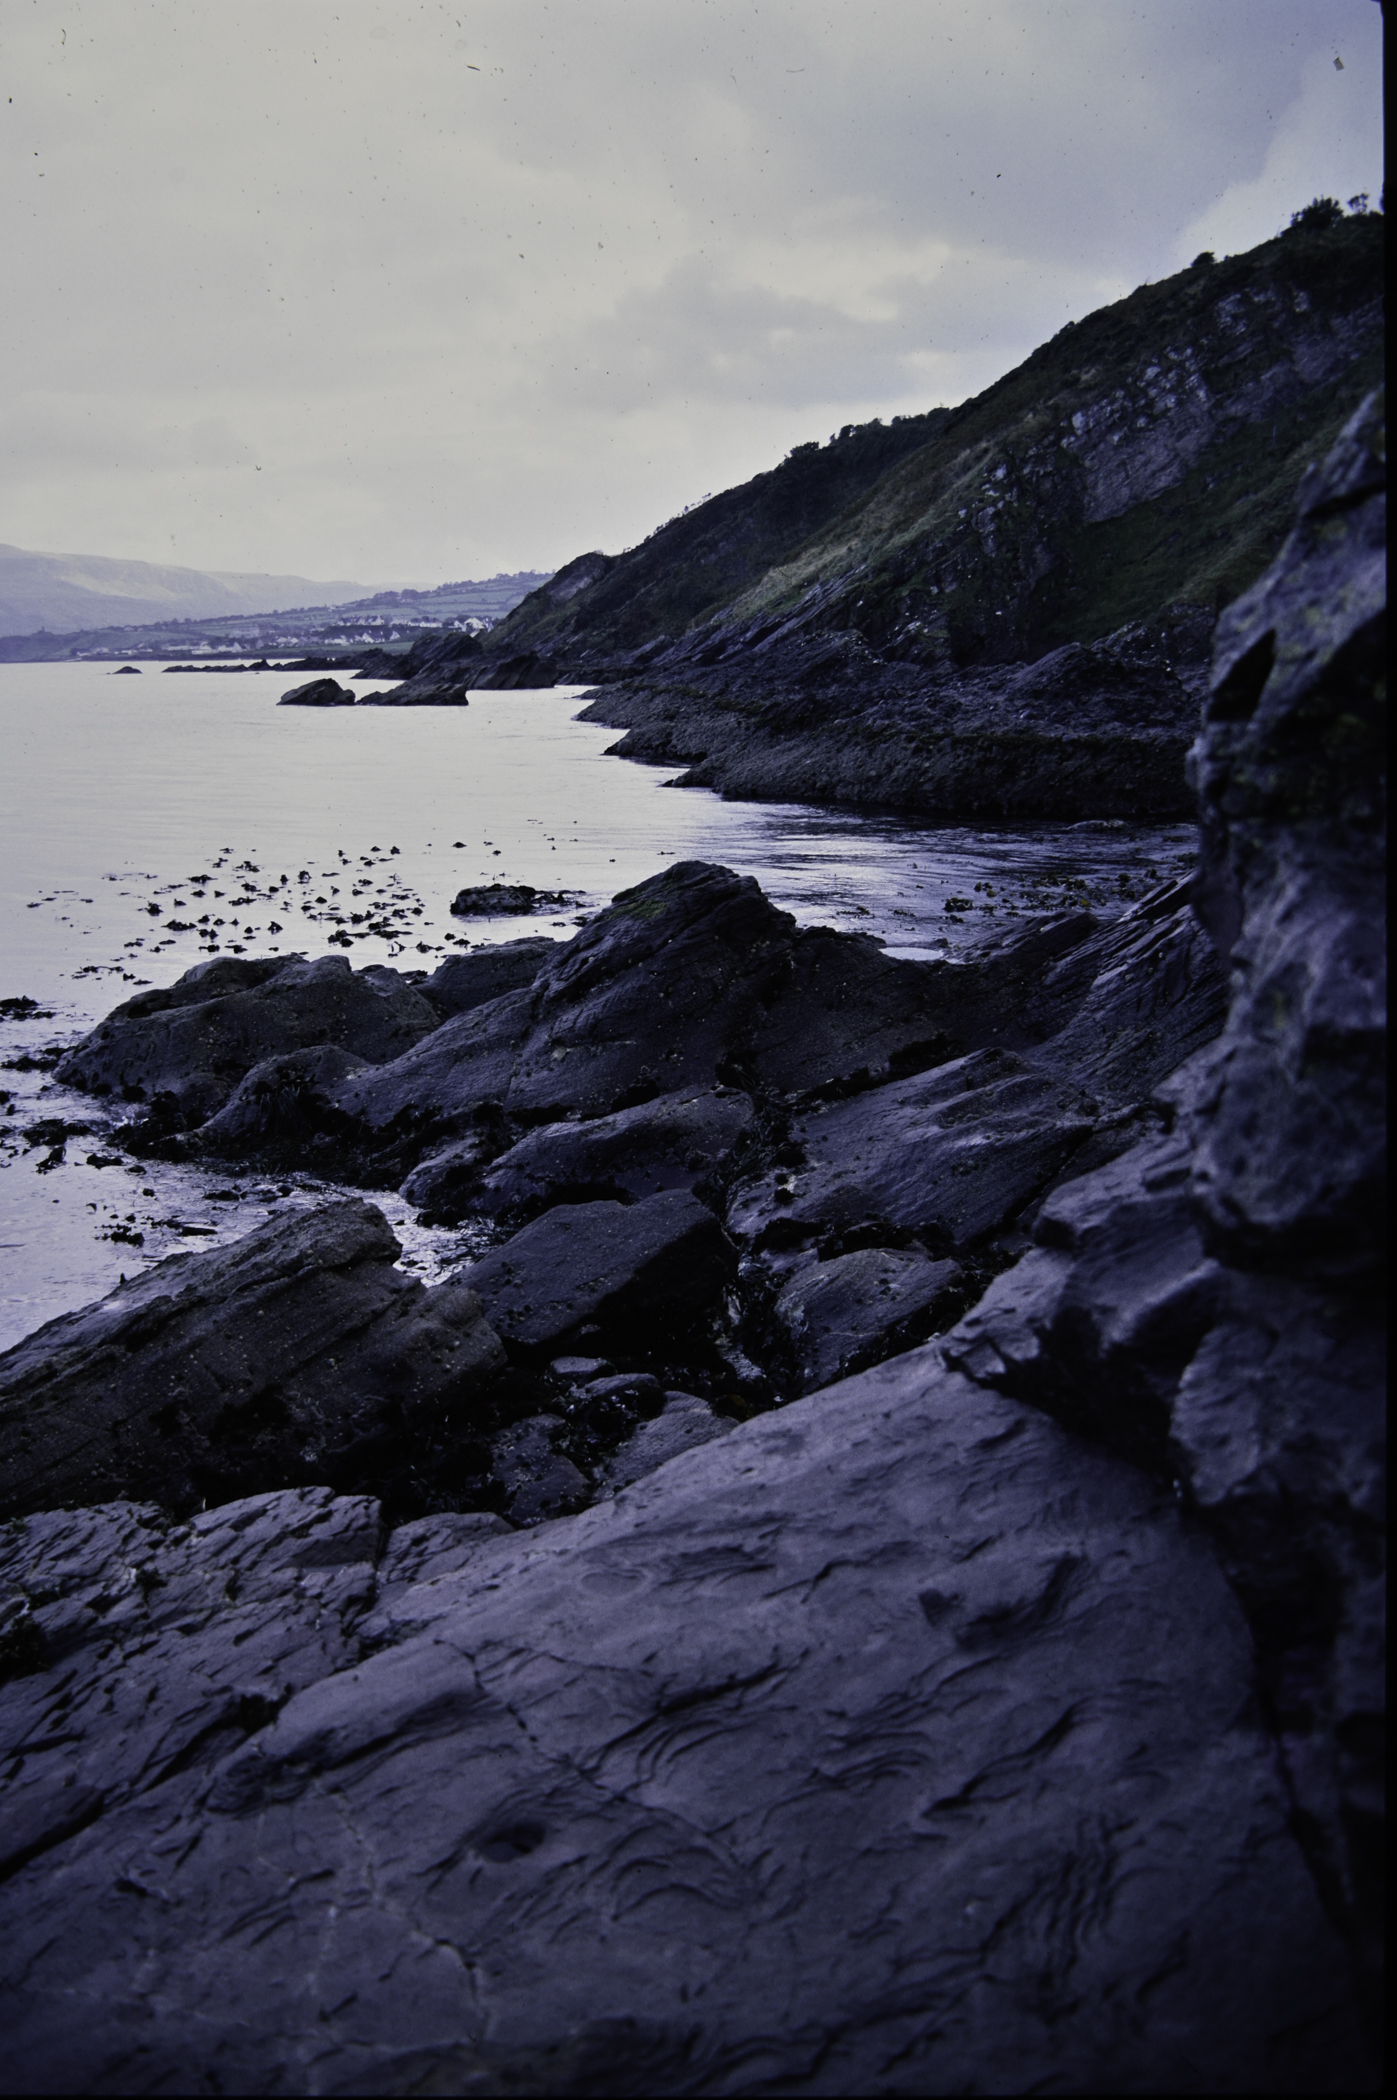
(1291, 770)
(195, 1041)
(898, 1742)
(267, 1362)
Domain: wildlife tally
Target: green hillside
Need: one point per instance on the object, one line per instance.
(1146, 456)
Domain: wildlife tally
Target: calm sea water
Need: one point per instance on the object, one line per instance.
(116, 791)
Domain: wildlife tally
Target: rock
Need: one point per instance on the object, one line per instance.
(917, 1739)
(526, 671)
(128, 671)
(840, 1314)
(463, 982)
(686, 1423)
(950, 1156)
(1291, 770)
(1207, 1302)
(299, 1350)
(429, 1547)
(284, 1102)
(669, 1143)
(437, 671)
(198, 1039)
(438, 1088)
(648, 1266)
(442, 1186)
(537, 1480)
(506, 900)
(318, 692)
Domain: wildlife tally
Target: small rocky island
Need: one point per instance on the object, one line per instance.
(871, 1579)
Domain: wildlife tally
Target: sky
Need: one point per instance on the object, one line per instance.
(405, 292)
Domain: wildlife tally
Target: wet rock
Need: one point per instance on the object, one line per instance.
(463, 982)
(442, 1186)
(318, 692)
(506, 900)
(197, 1040)
(927, 1733)
(466, 1065)
(643, 1266)
(284, 1102)
(537, 1480)
(686, 1423)
(841, 1314)
(299, 1350)
(670, 1143)
(949, 1156)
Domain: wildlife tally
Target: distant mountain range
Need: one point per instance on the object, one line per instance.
(65, 592)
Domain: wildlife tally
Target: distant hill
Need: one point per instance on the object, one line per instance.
(320, 625)
(1146, 457)
(65, 592)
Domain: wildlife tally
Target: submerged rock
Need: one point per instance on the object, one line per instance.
(506, 900)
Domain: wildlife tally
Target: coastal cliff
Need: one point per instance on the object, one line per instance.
(872, 1581)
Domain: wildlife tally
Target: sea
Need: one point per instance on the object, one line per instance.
(151, 818)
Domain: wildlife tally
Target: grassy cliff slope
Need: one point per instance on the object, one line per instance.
(1145, 457)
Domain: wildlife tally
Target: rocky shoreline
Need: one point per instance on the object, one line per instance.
(871, 1580)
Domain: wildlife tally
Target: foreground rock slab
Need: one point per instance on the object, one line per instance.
(264, 1362)
(897, 1742)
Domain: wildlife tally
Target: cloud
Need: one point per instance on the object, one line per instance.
(299, 289)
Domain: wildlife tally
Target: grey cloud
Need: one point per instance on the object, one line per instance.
(470, 320)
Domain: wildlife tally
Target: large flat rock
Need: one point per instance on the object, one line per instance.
(898, 1742)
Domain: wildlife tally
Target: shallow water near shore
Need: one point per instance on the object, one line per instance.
(117, 792)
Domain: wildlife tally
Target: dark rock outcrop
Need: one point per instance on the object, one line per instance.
(641, 1267)
(196, 1040)
(318, 692)
(1209, 1303)
(282, 1358)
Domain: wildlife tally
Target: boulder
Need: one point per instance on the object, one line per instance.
(515, 673)
(292, 1354)
(463, 982)
(669, 1143)
(899, 1741)
(283, 1103)
(644, 1266)
(839, 1315)
(195, 1041)
(950, 1156)
(318, 692)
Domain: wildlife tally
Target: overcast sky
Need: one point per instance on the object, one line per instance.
(402, 292)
